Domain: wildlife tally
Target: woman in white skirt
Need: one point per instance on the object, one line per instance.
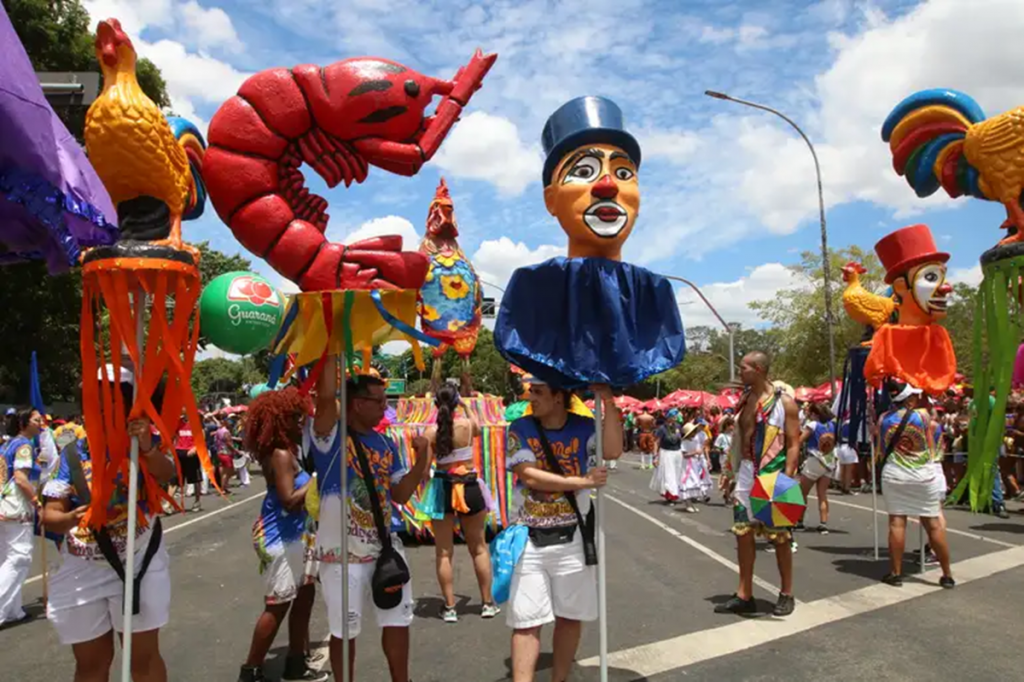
(696, 480)
(819, 468)
(909, 486)
(669, 470)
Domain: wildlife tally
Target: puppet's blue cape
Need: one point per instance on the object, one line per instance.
(578, 321)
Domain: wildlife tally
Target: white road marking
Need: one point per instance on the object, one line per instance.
(184, 524)
(707, 551)
(952, 531)
(677, 652)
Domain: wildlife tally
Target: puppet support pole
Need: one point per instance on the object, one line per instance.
(346, 674)
(133, 500)
(874, 496)
(602, 580)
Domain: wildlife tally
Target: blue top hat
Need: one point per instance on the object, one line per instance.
(585, 120)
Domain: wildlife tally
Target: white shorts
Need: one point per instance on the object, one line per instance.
(813, 469)
(86, 598)
(552, 581)
(285, 574)
(846, 454)
(359, 576)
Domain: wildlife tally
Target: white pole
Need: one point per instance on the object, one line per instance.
(133, 498)
(874, 497)
(346, 674)
(920, 537)
(602, 581)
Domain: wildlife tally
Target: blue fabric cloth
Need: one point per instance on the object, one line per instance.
(578, 321)
(506, 550)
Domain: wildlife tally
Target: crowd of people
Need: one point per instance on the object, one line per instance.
(294, 439)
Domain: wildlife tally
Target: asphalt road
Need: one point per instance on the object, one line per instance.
(666, 570)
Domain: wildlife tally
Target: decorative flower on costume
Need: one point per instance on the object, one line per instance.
(916, 349)
(590, 318)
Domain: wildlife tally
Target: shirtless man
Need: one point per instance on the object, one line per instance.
(645, 424)
(780, 420)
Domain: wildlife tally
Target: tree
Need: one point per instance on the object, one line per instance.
(798, 313)
(56, 37)
(959, 323)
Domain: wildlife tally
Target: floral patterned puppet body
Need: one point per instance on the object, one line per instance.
(451, 296)
(916, 349)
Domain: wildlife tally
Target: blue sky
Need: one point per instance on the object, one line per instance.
(728, 192)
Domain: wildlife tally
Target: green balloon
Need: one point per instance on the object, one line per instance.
(258, 389)
(240, 312)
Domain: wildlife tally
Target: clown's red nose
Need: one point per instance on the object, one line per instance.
(605, 188)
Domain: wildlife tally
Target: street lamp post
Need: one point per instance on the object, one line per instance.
(728, 327)
(824, 233)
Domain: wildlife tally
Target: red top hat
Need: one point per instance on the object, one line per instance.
(905, 248)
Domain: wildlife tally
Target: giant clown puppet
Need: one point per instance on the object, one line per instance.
(590, 318)
(915, 349)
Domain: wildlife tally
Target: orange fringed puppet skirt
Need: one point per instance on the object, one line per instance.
(919, 354)
(168, 349)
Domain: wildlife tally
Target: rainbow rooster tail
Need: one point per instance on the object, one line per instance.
(191, 140)
(926, 134)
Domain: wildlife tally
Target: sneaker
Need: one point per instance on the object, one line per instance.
(794, 546)
(770, 548)
(690, 509)
(316, 658)
(489, 611)
(296, 668)
(251, 674)
(449, 615)
(947, 582)
(1002, 513)
(737, 606)
(800, 527)
(893, 579)
(785, 605)
(822, 529)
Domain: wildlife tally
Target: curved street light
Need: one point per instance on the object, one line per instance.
(824, 233)
(726, 325)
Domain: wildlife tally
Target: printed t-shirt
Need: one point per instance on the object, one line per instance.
(18, 455)
(575, 448)
(915, 450)
(388, 469)
(80, 541)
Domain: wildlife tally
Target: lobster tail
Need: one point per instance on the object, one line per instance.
(191, 140)
(926, 133)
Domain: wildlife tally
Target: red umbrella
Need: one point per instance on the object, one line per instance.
(654, 405)
(804, 393)
(728, 401)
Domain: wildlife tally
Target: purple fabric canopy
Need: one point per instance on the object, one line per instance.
(52, 203)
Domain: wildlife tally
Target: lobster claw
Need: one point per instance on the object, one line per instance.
(375, 263)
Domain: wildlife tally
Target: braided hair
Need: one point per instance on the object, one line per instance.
(447, 401)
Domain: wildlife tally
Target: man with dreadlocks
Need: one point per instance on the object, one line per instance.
(282, 533)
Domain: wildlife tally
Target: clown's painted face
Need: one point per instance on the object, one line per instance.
(595, 196)
(929, 289)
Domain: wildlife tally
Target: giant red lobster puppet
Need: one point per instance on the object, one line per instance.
(339, 119)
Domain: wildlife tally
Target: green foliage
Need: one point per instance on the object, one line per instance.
(959, 323)
(56, 37)
(214, 263)
(39, 313)
(801, 355)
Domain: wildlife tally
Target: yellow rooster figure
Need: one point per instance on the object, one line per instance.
(871, 310)
(940, 138)
(151, 166)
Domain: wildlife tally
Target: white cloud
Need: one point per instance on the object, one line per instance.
(675, 146)
(971, 275)
(387, 225)
(486, 147)
(732, 299)
(496, 259)
(210, 27)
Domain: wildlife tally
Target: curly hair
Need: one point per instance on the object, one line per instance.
(272, 420)
(447, 400)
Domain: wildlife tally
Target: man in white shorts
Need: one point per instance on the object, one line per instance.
(393, 482)
(552, 581)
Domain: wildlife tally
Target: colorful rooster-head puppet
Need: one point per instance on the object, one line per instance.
(915, 349)
(941, 138)
(451, 296)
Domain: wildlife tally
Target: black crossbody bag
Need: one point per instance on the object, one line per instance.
(391, 572)
(586, 526)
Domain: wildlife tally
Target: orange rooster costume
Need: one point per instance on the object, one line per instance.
(915, 349)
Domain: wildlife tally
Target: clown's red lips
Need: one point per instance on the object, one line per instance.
(609, 214)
